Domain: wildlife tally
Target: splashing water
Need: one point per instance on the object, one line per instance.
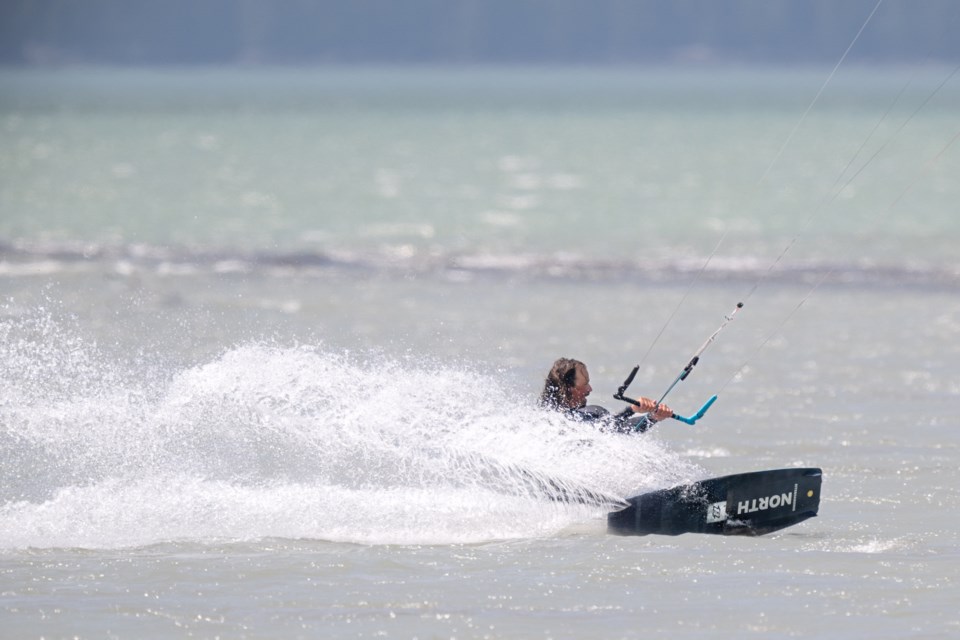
(288, 441)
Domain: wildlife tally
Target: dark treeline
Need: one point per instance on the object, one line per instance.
(473, 31)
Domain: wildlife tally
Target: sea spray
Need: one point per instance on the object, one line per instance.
(290, 441)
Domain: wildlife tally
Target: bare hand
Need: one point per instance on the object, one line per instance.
(657, 411)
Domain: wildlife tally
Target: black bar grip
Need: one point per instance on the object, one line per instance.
(626, 383)
(689, 367)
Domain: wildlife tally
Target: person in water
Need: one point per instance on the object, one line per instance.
(567, 387)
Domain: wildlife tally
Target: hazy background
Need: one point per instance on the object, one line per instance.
(280, 282)
(139, 32)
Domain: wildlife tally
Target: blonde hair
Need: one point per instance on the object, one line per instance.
(561, 379)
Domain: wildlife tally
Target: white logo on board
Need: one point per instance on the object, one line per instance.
(717, 512)
(788, 499)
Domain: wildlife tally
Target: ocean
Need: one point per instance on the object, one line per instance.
(272, 341)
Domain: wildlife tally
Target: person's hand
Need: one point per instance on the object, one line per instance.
(662, 412)
(657, 411)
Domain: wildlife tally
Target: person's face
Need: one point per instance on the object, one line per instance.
(581, 389)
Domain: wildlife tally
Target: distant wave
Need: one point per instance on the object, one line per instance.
(33, 259)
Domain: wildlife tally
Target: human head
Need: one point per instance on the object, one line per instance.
(567, 385)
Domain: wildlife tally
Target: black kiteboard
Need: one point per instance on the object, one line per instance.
(750, 504)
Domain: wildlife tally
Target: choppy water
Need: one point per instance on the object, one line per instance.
(271, 343)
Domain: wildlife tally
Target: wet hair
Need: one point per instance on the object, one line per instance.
(561, 379)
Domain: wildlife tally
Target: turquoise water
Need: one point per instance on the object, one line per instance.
(271, 340)
(608, 164)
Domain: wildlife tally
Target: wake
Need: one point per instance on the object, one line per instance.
(290, 441)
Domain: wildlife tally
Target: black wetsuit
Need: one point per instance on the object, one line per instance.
(624, 422)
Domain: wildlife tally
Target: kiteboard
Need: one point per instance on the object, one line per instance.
(750, 504)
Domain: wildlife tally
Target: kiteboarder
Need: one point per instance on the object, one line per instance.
(567, 387)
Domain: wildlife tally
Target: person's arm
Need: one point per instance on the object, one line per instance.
(628, 420)
(656, 412)
(651, 413)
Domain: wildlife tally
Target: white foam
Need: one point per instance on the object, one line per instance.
(296, 442)
(25, 269)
